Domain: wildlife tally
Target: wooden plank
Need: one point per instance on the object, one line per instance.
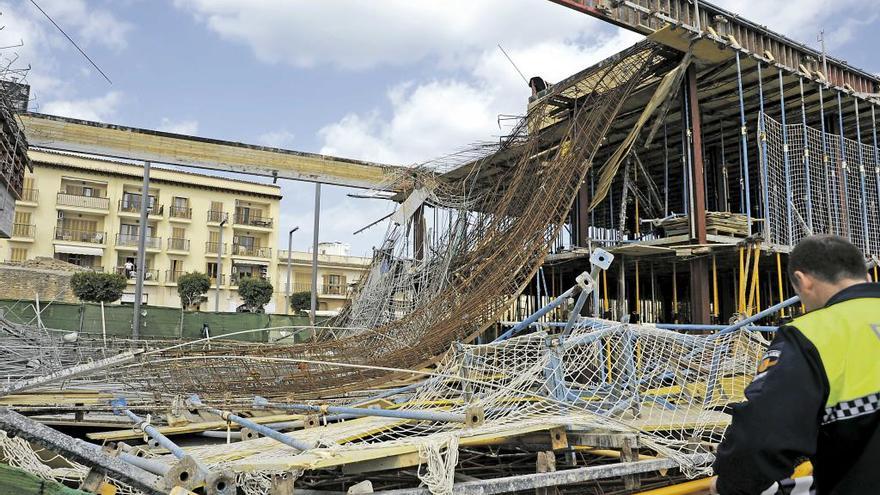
(128, 434)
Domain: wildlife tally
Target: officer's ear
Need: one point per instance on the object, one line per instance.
(801, 281)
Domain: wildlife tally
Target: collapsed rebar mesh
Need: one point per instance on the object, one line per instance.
(489, 239)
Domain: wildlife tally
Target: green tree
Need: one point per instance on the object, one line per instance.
(301, 301)
(98, 287)
(255, 292)
(191, 287)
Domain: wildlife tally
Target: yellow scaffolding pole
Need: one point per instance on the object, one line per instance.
(674, 293)
(715, 288)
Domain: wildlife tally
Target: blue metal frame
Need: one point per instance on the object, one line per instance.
(809, 196)
(845, 193)
(120, 407)
(862, 186)
(830, 192)
(762, 129)
(876, 167)
(261, 429)
(786, 164)
(745, 146)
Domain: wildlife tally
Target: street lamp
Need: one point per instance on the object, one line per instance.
(289, 251)
(219, 262)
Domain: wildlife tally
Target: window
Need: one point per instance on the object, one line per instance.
(181, 203)
(245, 241)
(18, 254)
(178, 233)
(211, 270)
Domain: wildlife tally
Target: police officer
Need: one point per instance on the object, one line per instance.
(816, 395)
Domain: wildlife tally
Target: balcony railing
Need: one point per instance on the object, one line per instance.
(89, 236)
(334, 289)
(213, 279)
(253, 221)
(30, 195)
(254, 252)
(211, 247)
(24, 230)
(171, 276)
(94, 202)
(149, 274)
(238, 277)
(216, 216)
(178, 244)
(129, 206)
(180, 212)
(132, 240)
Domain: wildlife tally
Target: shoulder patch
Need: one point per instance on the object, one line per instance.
(770, 359)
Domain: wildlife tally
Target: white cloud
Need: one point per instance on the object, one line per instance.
(43, 45)
(188, 127)
(433, 118)
(281, 138)
(358, 35)
(803, 19)
(101, 109)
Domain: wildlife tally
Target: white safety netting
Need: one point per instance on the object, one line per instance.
(814, 188)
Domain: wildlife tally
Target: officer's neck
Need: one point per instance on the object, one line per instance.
(826, 290)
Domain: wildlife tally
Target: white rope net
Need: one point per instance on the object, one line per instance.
(816, 189)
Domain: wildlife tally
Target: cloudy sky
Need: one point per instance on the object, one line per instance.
(391, 81)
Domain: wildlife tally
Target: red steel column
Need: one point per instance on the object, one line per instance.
(699, 267)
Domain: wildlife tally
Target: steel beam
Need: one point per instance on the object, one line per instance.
(76, 450)
(525, 482)
(647, 16)
(131, 143)
(699, 280)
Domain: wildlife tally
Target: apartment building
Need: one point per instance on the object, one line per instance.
(338, 272)
(86, 211)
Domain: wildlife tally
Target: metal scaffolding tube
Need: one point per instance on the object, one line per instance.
(844, 195)
(826, 164)
(809, 195)
(412, 414)
(153, 433)
(762, 131)
(876, 167)
(862, 186)
(745, 146)
(261, 429)
(786, 163)
(534, 317)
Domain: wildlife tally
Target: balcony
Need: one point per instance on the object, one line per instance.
(180, 213)
(150, 276)
(29, 195)
(238, 277)
(178, 244)
(78, 201)
(212, 247)
(131, 241)
(86, 236)
(334, 289)
(129, 206)
(215, 216)
(251, 251)
(213, 279)
(252, 221)
(23, 231)
(171, 276)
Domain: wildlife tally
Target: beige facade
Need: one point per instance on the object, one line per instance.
(86, 211)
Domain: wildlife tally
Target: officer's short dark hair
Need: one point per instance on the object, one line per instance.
(829, 258)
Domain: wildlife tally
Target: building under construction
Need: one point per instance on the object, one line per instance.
(570, 309)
